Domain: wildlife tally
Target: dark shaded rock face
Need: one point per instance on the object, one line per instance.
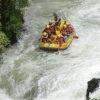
(93, 84)
(13, 38)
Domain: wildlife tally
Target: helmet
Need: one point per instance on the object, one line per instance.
(58, 32)
(44, 33)
(48, 26)
(59, 35)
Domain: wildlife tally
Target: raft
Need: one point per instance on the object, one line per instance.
(55, 46)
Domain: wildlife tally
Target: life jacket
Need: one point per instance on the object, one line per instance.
(60, 39)
(61, 24)
(57, 32)
(63, 30)
(52, 29)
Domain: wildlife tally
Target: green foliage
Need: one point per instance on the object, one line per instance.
(21, 3)
(4, 42)
(12, 18)
(15, 24)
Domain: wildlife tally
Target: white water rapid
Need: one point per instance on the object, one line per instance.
(27, 73)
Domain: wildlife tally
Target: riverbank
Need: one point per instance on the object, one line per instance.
(12, 20)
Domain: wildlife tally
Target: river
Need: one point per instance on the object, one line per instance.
(27, 73)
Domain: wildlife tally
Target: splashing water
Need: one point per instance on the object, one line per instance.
(3, 96)
(27, 73)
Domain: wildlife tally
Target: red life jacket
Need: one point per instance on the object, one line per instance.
(52, 29)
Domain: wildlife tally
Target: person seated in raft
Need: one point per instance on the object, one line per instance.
(70, 30)
(61, 29)
(67, 29)
(52, 34)
(61, 25)
(53, 38)
(44, 37)
(50, 31)
(53, 24)
(60, 39)
(56, 20)
(64, 27)
(47, 29)
(57, 30)
(50, 37)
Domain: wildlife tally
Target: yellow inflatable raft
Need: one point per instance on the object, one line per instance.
(56, 45)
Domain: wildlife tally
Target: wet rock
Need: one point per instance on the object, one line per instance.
(93, 84)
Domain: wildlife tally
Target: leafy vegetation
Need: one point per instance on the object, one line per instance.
(4, 42)
(11, 17)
